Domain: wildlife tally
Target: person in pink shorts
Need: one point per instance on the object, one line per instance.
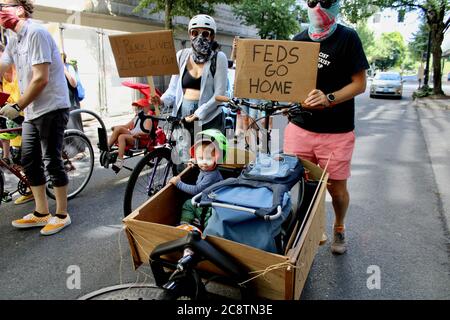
(327, 129)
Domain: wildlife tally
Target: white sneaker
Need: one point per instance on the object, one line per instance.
(55, 225)
(339, 245)
(31, 221)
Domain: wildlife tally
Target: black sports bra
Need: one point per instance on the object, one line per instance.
(189, 82)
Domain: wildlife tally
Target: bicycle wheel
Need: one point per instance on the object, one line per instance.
(149, 176)
(2, 186)
(78, 158)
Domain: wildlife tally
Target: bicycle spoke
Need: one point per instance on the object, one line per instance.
(152, 178)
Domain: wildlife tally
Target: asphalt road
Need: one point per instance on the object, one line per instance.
(394, 223)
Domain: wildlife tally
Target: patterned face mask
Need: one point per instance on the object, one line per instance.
(201, 49)
(322, 21)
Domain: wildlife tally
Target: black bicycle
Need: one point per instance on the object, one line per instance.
(258, 137)
(156, 168)
(78, 161)
(154, 171)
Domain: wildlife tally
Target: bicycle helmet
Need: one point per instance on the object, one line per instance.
(9, 135)
(202, 21)
(214, 136)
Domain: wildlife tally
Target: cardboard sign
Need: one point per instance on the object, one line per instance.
(145, 54)
(276, 70)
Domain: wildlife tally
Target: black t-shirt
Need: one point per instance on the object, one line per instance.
(341, 56)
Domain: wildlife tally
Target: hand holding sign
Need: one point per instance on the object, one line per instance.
(316, 100)
(276, 70)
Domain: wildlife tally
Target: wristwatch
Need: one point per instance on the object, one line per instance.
(16, 106)
(331, 98)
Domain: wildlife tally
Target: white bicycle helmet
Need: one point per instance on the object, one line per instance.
(202, 21)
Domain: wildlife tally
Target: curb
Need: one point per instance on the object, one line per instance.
(428, 109)
(442, 104)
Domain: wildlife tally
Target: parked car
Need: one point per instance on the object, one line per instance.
(387, 84)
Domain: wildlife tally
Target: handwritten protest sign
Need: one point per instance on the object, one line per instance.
(145, 54)
(276, 70)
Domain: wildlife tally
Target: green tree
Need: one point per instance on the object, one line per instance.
(418, 46)
(435, 13)
(274, 19)
(389, 51)
(367, 37)
(185, 8)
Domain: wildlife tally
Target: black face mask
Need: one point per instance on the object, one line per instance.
(202, 49)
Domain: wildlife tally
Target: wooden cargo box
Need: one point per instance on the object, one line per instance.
(153, 223)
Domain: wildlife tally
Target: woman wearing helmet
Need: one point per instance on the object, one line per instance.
(202, 76)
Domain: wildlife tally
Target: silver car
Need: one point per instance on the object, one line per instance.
(387, 84)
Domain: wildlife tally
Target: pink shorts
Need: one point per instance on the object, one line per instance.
(317, 148)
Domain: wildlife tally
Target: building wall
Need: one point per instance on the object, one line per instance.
(387, 21)
(82, 27)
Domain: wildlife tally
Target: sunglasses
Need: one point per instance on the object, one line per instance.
(5, 5)
(205, 33)
(326, 4)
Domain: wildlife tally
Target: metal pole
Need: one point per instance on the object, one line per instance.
(427, 67)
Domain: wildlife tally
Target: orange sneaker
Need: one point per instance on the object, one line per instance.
(31, 221)
(55, 225)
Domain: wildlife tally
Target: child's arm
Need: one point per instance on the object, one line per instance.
(205, 180)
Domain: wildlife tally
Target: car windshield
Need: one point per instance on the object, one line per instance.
(387, 76)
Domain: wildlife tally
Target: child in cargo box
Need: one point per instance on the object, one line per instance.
(206, 154)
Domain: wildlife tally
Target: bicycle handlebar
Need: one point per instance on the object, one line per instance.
(169, 119)
(270, 106)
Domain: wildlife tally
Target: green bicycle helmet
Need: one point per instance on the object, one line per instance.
(9, 135)
(214, 136)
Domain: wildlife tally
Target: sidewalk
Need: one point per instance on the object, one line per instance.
(434, 116)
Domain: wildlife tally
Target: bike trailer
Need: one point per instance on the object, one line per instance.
(276, 276)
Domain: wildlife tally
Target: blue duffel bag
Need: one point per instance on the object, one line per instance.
(252, 208)
(279, 168)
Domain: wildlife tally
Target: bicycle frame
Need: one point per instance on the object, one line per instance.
(12, 167)
(271, 108)
(170, 144)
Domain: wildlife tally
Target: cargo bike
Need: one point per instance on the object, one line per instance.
(184, 262)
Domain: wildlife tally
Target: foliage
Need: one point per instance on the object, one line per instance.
(185, 8)
(434, 12)
(418, 47)
(423, 92)
(367, 37)
(274, 19)
(389, 51)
